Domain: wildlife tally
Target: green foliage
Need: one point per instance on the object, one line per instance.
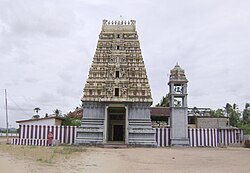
(217, 113)
(234, 114)
(245, 128)
(69, 150)
(236, 119)
(165, 102)
(68, 121)
(246, 114)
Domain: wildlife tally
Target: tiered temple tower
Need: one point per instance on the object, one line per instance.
(117, 94)
(178, 107)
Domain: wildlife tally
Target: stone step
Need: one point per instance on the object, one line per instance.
(115, 145)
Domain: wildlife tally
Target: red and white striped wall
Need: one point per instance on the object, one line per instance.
(38, 135)
(163, 137)
(199, 137)
(38, 142)
(229, 136)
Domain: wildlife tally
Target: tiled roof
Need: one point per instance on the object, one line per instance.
(160, 111)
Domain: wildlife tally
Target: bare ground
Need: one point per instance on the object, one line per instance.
(68, 159)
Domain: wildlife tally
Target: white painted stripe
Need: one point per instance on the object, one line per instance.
(199, 138)
(213, 138)
(226, 137)
(29, 132)
(195, 138)
(158, 129)
(42, 130)
(232, 136)
(167, 136)
(54, 132)
(206, 144)
(191, 138)
(26, 132)
(209, 137)
(62, 134)
(33, 133)
(222, 137)
(21, 132)
(202, 137)
(162, 137)
(46, 135)
(71, 135)
(75, 135)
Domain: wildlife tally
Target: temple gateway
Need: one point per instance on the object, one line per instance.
(117, 94)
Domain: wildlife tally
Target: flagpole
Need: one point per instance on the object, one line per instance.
(7, 119)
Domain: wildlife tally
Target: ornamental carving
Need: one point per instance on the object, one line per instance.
(112, 60)
(123, 73)
(118, 69)
(110, 91)
(123, 60)
(124, 91)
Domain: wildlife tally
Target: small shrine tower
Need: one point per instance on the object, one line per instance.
(178, 107)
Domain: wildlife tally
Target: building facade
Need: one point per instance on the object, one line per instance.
(117, 94)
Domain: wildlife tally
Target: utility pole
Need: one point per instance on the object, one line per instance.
(7, 119)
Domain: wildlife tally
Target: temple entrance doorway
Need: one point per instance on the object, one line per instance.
(116, 124)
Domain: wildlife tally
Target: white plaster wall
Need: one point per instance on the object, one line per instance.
(46, 122)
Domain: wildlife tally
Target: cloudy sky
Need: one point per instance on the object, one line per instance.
(46, 49)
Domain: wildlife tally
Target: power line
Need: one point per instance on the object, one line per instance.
(18, 106)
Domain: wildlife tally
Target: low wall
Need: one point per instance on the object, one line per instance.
(203, 137)
(198, 137)
(38, 135)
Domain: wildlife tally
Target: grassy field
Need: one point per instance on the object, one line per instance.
(41, 155)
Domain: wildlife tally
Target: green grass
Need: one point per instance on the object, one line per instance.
(69, 150)
(58, 152)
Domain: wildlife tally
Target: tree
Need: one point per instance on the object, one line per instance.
(246, 114)
(217, 113)
(57, 112)
(233, 113)
(165, 102)
(69, 121)
(228, 109)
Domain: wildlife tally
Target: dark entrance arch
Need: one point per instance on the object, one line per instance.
(116, 124)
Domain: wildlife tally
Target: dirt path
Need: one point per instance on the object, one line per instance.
(174, 160)
(28, 159)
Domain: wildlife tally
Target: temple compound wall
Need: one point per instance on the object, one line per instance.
(117, 94)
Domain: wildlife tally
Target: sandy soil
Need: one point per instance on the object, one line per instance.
(23, 159)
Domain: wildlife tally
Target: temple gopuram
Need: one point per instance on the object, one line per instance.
(117, 95)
